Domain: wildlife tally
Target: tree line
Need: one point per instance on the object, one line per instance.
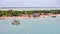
(29, 12)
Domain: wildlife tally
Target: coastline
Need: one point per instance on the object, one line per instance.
(41, 16)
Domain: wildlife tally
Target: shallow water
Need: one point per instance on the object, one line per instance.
(31, 26)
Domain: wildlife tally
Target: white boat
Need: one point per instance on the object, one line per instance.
(15, 22)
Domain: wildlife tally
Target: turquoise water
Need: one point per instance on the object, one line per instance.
(31, 26)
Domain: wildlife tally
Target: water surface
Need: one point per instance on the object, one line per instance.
(31, 26)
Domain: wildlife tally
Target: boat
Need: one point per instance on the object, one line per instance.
(54, 16)
(15, 22)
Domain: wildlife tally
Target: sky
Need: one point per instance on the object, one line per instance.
(29, 3)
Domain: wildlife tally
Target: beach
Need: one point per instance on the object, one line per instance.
(41, 16)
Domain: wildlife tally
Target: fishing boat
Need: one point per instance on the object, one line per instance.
(54, 16)
(15, 22)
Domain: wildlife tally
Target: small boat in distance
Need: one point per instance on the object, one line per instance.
(54, 16)
(15, 22)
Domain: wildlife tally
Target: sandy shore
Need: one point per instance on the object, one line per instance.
(41, 16)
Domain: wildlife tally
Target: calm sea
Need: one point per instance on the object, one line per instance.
(31, 26)
(29, 8)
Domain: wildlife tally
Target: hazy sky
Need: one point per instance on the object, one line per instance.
(29, 3)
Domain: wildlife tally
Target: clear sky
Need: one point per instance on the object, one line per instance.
(29, 3)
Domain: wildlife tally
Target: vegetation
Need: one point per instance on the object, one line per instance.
(17, 13)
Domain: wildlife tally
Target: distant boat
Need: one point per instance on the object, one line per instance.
(54, 16)
(15, 22)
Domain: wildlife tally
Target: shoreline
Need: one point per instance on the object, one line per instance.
(41, 16)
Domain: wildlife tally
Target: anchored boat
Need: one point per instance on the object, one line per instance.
(54, 16)
(15, 22)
